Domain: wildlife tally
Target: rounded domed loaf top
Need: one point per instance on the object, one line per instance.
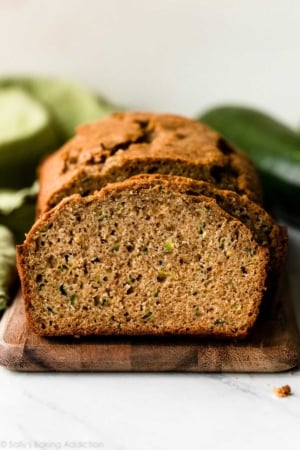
(129, 143)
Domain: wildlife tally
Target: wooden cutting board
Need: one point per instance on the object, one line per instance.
(273, 346)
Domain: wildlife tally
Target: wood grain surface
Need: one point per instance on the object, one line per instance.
(272, 347)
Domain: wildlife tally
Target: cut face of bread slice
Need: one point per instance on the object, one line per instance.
(127, 144)
(264, 228)
(140, 257)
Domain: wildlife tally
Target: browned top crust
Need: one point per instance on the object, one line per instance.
(130, 143)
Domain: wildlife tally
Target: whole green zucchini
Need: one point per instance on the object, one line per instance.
(273, 147)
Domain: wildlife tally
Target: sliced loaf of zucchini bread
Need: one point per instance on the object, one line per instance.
(127, 144)
(142, 257)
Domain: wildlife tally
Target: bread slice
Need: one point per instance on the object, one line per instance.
(264, 228)
(141, 257)
(127, 144)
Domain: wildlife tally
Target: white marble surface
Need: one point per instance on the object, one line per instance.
(179, 56)
(153, 411)
(148, 411)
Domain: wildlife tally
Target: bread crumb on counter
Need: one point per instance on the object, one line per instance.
(282, 391)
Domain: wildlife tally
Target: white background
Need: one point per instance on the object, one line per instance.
(166, 55)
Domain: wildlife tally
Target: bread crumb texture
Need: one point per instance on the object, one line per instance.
(137, 258)
(283, 391)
